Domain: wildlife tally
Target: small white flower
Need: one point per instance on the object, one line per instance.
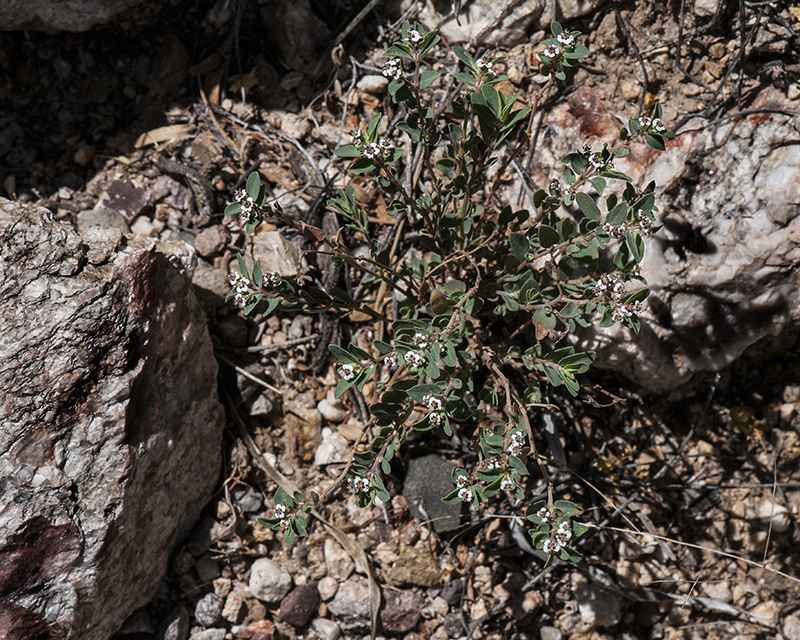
(420, 340)
(543, 513)
(390, 361)
(392, 69)
(491, 464)
(552, 51)
(432, 402)
(347, 372)
(285, 524)
(413, 36)
(549, 546)
(566, 39)
(658, 125)
(644, 122)
(461, 481)
(436, 417)
(596, 160)
(516, 443)
(279, 511)
(413, 360)
(506, 485)
(372, 151)
(357, 137)
(465, 494)
(359, 485)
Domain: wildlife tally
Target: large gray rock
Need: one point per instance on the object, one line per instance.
(490, 22)
(61, 15)
(723, 270)
(111, 425)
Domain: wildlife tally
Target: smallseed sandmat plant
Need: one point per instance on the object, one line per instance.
(484, 304)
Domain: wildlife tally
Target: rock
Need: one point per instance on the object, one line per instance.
(332, 409)
(112, 426)
(300, 605)
(121, 196)
(375, 85)
(401, 611)
(209, 634)
(102, 217)
(452, 591)
(427, 480)
(598, 606)
(296, 31)
(208, 610)
(143, 226)
(102, 243)
(326, 629)
(791, 627)
(233, 607)
(295, 125)
(211, 286)
(720, 270)
(705, 8)
(415, 566)
(327, 587)
(175, 625)
(339, 563)
(775, 515)
(207, 569)
(269, 581)
(550, 633)
(259, 630)
(351, 604)
(494, 22)
(54, 15)
(333, 449)
(453, 625)
(276, 253)
(212, 240)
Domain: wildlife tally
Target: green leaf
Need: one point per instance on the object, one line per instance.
(556, 29)
(427, 78)
(398, 52)
(465, 78)
(519, 245)
(465, 57)
(657, 142)
(635, 245)
(565, 508)
(362, 165)
(342, 355)
(348, 151)
(599, 184)
(548, 236)
(587, 206)
(234, 208)
(419, 391)
(617, 215)
(253, 185)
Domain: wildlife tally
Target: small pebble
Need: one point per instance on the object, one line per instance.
(327, 587)
(208, 610)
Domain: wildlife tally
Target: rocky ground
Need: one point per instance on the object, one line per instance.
(694, 493)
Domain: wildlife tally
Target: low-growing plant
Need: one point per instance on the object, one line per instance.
(484, 304)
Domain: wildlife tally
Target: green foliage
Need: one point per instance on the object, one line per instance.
(485, 309)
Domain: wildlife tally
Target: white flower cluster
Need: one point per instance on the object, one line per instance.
(618, 231)
(545, 514)
(610, 286)
(647, 226)
(413, 36)
(626, 311)
(383, 149)
(347, 372)
(566, 39)
(517, 443)
(242, 286)
(465, 494)
(390, 361)
(560, 539)
(359, 485)
(655, 123)
(278, 512)
(414, 360)
(552, 51)
(507, 484)
(248, 206)
(357, 137)
(486, 67)
(491, 464)
(421, 340)
(596, 160)
(392, 69)
(435, 404)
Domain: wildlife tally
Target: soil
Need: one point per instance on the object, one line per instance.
(704, 546)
